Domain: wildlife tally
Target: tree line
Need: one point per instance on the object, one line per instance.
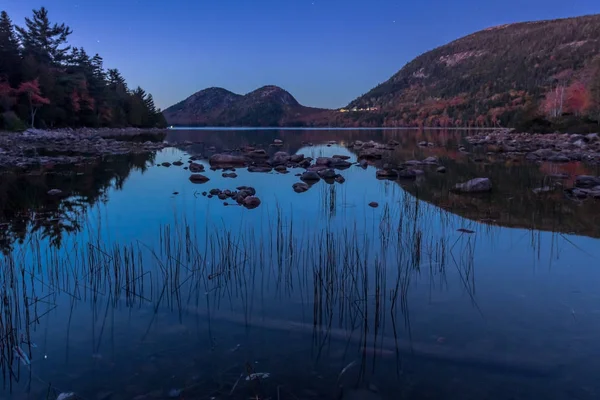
(46, 83)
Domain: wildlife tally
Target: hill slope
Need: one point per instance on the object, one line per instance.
(266, 106)
(498, 76)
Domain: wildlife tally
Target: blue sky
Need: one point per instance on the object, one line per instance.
(324, 52)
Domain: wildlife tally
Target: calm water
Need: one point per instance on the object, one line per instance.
(124, 289)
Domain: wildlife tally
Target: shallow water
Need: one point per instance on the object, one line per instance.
(131, 291)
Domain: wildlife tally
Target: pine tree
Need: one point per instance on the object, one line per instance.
(9, 50)
(46, 42)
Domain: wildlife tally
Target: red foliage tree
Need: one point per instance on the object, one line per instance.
(32, 90)
(578, 98)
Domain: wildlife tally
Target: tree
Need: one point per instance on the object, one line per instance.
(46, 42)
(33, 93)
(578, 99)
(9, 50)
(7, 97)
(552, 105)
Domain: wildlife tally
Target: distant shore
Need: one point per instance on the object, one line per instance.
(46, 148)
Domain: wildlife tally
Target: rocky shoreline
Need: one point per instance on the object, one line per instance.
(36, 147)
(554, 147)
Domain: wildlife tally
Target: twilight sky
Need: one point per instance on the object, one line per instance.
(324, 52)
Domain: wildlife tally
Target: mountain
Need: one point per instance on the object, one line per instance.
(504, 75)
(266, 106)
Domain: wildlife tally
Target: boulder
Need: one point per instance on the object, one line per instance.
(408, 173)
(281, 157)
(258, 153)
(248, 189)
(199, 178)
(222, 196)
(310, 176)
(371, 153)
(340, 179)
(387, 173)
(178, 163)
(229, 175)
(278, 142)
(166, 164)
(281, 169)
(300, 187)
(251, 202)
(215, 192)
(297, 158)
(559, 158)
(228, 159)
(477, 185)
(341, 157)
(257, 168)
(587, 181)
(441, 170)
(363, 164)
(55, 192)
(195, 167)
(431, 161)
(327, 173)
(374, 204)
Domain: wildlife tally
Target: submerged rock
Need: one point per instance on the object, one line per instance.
(195, 167)
(256, 168)
(229, 175)
(310, 176)
(178, 163)
(477, 185)
(300, 187)
(374, 204)
(166, 164)
(199, 178)
(340, 179)
(251, 202)
(228, 159)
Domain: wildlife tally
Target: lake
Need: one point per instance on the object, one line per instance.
(136, 283)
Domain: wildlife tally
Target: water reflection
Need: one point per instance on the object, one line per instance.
(158, 295)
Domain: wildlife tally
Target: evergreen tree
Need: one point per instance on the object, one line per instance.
(46, 42)
(10, 60)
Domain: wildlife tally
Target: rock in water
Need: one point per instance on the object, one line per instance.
(229, 175)
(251, 202)
(587, 181)
(178, 163)
(248, 189)
(387, 173)
(310, 176)
(55, 192)
(166, 164)
(374, 204)
(300, 187)
(195, 167)
(198, 178)
(227, 159)
(477, 185)
(441, 170)
(327, 173)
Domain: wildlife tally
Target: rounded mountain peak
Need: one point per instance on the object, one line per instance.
(273, 93)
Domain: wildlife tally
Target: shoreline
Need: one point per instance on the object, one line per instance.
(537, 147)
(38, 147)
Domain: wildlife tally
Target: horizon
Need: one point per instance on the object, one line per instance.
(339, 63)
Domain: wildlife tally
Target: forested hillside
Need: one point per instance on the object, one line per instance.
(46, 83)
(543, 74)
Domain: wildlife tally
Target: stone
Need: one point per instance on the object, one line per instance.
(251, 202)
(166, 164)
(55, 192)
(281, 169)
(341, 157)
(203, 193)
(310, 176)
(431, 161)
(587, 181)
(408, 174)
(278, 141)
(374, 204)
(229, 175)
(543, 189)
(387, 173)
(195, 167)
(592, 137)
(412, 162)
(248, 189)
(363, 164)
(228, 159)
(558, 158)
(371, 153)
(340, 179)
(423, 144)
(258, 153)
(300, 187)
(222, 196)
(215, 192)
(327, 173)
(477, 185)
(441, 170)
(178, 163)
(281, 157)
(199, 178)
(256, 168)
(297, 158)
